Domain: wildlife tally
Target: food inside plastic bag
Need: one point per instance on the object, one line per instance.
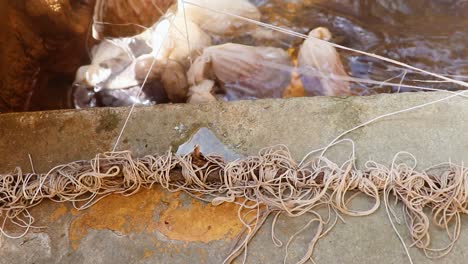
(202, 92)
(177, 68)
(159, 54)
(319, 66)
(242, 72)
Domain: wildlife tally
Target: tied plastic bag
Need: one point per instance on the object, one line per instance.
(319, 66)
(114, 75)
(242, 72)
(160, 58)
(159, 55)
(202, 92)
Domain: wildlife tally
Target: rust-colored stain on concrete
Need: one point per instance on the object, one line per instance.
(148, 253)
(117, 213)
(199, 222)
(58, 213)
(135, 214)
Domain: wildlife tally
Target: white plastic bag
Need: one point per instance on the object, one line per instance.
(243, 72)
(320, 67)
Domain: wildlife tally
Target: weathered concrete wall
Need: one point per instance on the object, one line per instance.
(158, 227)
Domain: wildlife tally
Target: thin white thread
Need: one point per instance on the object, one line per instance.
(402, 241)
(31, 163)
(120, 24)
(389, 79)
(381, 117)
(181, 2)
(140, 90)
(310, 71)
(401, 82)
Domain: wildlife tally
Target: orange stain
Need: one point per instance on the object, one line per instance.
(295, 87)
(58, 213)
(197, 222)
(148, 253)
(118, 213)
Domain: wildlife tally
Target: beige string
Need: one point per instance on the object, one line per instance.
(270, 182)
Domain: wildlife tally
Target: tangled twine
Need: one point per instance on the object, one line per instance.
(269, 183)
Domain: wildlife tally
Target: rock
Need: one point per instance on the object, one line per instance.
(208, 143)
(43, 42)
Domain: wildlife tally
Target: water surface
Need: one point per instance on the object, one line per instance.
(429, 34)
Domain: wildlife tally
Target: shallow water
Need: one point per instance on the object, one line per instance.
(429, 34)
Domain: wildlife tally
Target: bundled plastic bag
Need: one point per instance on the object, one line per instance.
(202, 92)
(122, 63)
(319, 66)
(160, 58)
(159, 54)
(242, 72)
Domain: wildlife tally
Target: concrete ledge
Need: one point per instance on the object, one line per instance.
(433, 134)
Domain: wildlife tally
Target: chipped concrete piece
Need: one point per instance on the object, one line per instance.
(208, 144)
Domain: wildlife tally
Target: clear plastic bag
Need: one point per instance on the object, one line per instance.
(157, 55)
(320, 68)
(243, 72)
(174, 67)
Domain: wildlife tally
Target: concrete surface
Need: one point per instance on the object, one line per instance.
(159, 227)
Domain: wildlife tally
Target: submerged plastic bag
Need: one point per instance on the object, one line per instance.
(123, 63)
(177, 68)
(319, 66)
(202, 92)
(243, 72)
